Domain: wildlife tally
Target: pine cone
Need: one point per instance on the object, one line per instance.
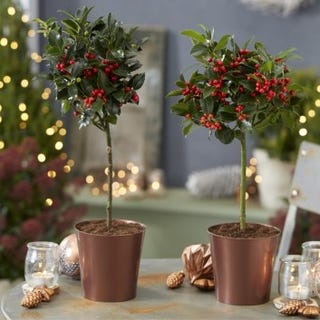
(204, 284)
(175, 279)
(45, 293)
(309, 311)
(32, 299)
(292, 307)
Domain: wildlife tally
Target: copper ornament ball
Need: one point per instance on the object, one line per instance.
(69, 257)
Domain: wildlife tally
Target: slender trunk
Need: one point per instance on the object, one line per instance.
(110, 171)
(243, 166)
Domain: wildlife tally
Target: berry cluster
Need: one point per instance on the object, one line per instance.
(235, 78)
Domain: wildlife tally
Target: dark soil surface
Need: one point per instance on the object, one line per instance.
(118, 227)
(232, 230)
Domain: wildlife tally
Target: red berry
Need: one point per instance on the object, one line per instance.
(135, 98)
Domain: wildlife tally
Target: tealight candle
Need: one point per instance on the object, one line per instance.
(42, 264)
(294, 277)
(298, 292)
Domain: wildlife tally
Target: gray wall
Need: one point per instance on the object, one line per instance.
(181, 156)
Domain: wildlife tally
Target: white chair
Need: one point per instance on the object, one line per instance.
(304, 193)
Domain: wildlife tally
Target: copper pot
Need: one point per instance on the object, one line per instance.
(109, 264)
(243, 267)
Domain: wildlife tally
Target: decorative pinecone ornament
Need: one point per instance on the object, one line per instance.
(46, 293)
(292, 307)
(216, 183)
(32, 299)
(175, 279)
(69, 257)
(309, 311)
(204, 284)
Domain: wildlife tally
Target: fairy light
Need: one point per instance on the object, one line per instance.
(49, 131)
(25, 18)
(24, 83)
(59, 123)
(317, 103)
(3, 42)
(31, 33)
(318, 88)
(303, 132)
(11, 11)
(121, 174)
(22, 107)
(311, 113)
(22, 125)
(2, 145)
(135, 170)
(64, 156)
(253, 161)
(6, 79)
(89, 179)
(66, 169)
(105, 187)
(258, 179)
(302, 119)
(41, 157)
(133, 188)
(51, 174)
(48, 202)
(95, 191)
(130, 165)
(44, 96)
(70, 162)
(58, 145)
(1, 84)
(14, 45)
(24, 116)
(62, 132)
(155, 185)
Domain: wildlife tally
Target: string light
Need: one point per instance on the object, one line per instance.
(311, 113)
(11, 11)
(31, 33)
(89, 179)
(49, 131)
(303, 132)
(24, 116)
(48, 202)
(14, 45)
(6, 79)
(67, 169)
(62, 132)
(302, 119)
(2, 145)
(51, 174)
(3, 42)
(317, 103)
(58, 145)
(1, 84)
(41, 157)
(24, 83)
(22, 107)
(25, 18)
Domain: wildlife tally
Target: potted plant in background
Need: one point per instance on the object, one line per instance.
(93, 66)
(235, 90)
(276, 148)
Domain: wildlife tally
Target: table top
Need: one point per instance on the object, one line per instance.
(153, 301)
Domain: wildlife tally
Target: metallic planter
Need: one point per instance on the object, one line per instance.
(109, 265)
(243, 268)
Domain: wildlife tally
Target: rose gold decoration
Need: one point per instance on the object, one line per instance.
(243, 266)
(110, 263)
(197, 262)
(175, 279)
(69, 257)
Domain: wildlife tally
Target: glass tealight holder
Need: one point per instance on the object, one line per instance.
(311, 251)
(42, 264)
(294, 277)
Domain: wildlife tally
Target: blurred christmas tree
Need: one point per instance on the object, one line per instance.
(34, 169)
(24, 108)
